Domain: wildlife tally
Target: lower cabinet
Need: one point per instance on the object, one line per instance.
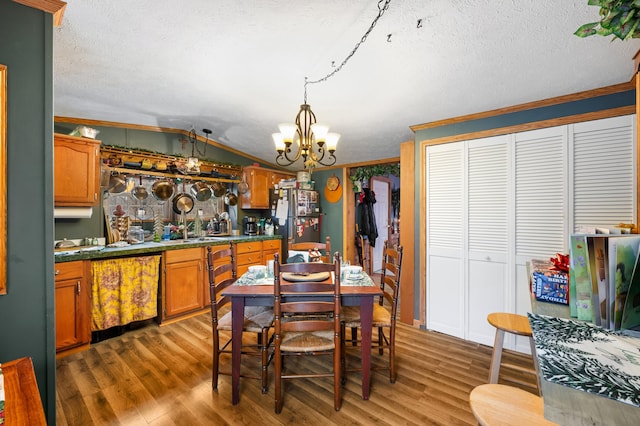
(247, 254)
(182, 282)
(73, 306)
(271, 247)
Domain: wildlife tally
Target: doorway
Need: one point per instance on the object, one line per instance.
(381, 187)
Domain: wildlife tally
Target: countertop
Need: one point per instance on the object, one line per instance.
(89, 253)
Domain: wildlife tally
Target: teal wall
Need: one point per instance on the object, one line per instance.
(332, 220)
(27, 311)
(599, 103)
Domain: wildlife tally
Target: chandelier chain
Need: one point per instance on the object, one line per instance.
(381, 10)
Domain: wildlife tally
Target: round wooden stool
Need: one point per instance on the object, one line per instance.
(494, 404)
(515, 324)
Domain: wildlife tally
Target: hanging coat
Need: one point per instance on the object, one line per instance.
(366, 217)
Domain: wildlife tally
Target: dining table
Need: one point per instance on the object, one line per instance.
(251, 290)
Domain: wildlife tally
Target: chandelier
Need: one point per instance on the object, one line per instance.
(302, 136)
(306, 138)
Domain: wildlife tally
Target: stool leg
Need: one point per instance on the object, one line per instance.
(496, 357)
(535, 364)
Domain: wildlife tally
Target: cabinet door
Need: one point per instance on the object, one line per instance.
(76, 171)
(73, 327)
(259, 180)
(183, 282)
(271, 247)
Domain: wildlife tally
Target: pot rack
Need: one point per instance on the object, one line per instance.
(113, 159)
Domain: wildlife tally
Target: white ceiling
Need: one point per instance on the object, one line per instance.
(237, 67)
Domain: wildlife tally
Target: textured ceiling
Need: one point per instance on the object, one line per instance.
(238, 66)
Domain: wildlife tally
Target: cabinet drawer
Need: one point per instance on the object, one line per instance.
(271, 245)
(69, 270)
(254, 258)
(173, 256)
(249, 247)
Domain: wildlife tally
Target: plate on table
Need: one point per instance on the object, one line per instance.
(317, 276)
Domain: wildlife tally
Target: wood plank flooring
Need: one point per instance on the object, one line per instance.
(162, 376)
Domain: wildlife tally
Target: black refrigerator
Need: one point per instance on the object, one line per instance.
(295, 214)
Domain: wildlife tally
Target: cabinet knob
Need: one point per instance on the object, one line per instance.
(57, 271)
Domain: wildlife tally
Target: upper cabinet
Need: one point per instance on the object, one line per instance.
(76, 171)
(260, 180)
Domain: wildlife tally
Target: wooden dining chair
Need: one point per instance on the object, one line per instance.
(324, 248)
(384, 312)
(257, 319)
(307, 320)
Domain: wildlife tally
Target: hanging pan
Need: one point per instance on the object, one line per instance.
(183, 202)
(219, 189)
(230, 199)
(162, 190)
(201, 191)
(140, 192)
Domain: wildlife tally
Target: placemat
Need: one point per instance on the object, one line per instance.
(318, 276)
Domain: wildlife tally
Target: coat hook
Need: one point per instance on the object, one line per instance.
(388, 38)
(419, 23)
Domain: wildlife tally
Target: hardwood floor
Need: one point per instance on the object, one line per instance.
(162, 376)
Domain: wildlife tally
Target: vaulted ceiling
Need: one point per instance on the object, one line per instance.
(238, 67)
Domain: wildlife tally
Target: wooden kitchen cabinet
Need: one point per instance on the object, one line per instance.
(260, 180)
(247, 254)
(73, 306)
(76, 171)
(182, 283)
(271, 247)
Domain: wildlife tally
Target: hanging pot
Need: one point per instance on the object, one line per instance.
(230, 199)
(162, 190)
(219, 189)
(201, 191)
(117, 183)
(183, 202)
(140, 192)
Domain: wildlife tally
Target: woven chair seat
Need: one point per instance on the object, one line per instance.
(255, 319)
(381, 316)
(307, 341)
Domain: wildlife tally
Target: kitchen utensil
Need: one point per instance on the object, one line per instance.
(117, 183)
(183, 202)
(219, 189)
(230, 199)
(243, 186)
(201, 191)
(162, 190)
(140, 192)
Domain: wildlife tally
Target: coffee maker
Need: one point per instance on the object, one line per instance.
(250, 225)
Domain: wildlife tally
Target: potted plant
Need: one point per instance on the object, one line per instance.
(619, 18)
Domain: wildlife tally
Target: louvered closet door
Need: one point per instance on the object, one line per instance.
(445, 180)
(540, 158)
(604, 190)
(488, 218)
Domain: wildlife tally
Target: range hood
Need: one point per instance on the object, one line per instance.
(72, 212)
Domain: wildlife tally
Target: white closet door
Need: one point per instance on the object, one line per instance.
(540, 209)
(488, 217)
(604, 172)
(445, 173)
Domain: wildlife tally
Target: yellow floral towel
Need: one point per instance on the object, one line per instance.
(123, 291)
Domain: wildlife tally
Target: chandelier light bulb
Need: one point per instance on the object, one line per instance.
(288, 132)
(332, 141)
(278, 141)
(320, 132)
